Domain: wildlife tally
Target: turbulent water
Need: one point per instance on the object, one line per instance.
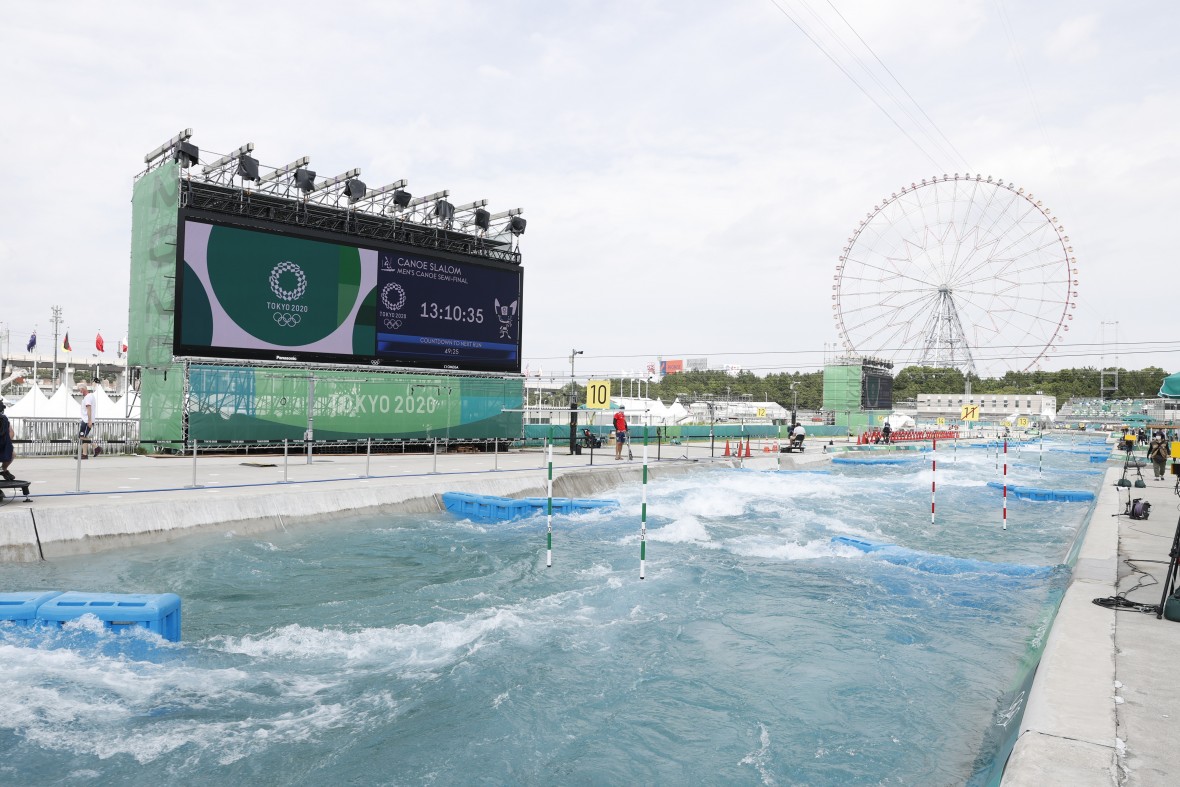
(428, 650)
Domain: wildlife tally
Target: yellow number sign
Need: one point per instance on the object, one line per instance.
(1022, 421)
(940, 421)
(761, 412)
(969, 412)
(598, 394)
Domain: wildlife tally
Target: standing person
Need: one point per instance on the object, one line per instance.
(6, 447)
(620, 432)
(1158, 454)
(797, 434)
(87, 424)
(886, 430)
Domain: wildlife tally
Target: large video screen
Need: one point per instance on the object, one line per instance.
(253, 293)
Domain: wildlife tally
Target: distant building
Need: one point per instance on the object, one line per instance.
(992, 407)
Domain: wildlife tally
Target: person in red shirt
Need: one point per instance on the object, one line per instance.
(620, 432)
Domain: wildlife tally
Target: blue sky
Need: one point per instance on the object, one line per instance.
(690, 170)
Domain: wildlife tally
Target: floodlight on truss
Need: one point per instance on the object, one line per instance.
(285, 171)
(354, 189)
(386, 196)
(474, 213)
(416, 201)
(343, 176)
(513, 222)
(444, 212)
(217, 168)
(167, 147)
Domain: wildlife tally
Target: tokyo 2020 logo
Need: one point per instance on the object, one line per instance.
(387, 291)
(300, 281)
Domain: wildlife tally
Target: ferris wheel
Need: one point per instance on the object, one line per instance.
(956, 271)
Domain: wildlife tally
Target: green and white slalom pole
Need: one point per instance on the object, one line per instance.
(549, 515)
(643, 514)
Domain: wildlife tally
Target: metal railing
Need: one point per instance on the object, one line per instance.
(59, 436)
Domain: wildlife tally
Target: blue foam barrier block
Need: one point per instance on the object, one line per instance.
(1096, 458)
(1044, 495)
(940, 564)
(21, 607)
(489, 508)
(156, 612)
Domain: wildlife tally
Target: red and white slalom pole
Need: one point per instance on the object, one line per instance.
(1005, 484)
(933, 468)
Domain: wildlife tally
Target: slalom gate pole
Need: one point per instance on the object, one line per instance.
(285, 453)
(933, 467)
(1041, 455)
(1005, 484)
(368, 454)
(955, 453)
(549, 516)
(643, 515)
(77, 467)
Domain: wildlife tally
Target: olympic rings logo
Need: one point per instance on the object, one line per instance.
(288, 295)
(401, 296)
(393, 325)
(286, 320)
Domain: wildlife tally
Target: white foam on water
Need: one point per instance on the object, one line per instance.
(682, 531)
(764, 547)
(760, 757)
(405, 646)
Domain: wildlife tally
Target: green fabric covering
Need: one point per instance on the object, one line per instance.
(1170, 387)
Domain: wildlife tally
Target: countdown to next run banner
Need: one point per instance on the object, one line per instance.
(247, 293)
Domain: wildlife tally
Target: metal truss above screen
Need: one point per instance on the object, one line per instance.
(301, 213)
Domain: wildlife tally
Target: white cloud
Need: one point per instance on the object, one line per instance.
(700, 164)
(1075, 40)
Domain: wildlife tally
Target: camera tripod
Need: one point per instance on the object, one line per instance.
(1128, 463)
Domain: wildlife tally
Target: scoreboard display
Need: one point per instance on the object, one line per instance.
(262, 293)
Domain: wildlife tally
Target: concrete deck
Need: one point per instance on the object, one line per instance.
(113, 501)
(1105, 704)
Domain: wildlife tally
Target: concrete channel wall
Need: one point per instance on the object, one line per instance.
(30, 533)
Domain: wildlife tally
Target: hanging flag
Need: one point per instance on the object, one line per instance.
(32, 342)
(122, 346)
(98, 343)
(65, 345)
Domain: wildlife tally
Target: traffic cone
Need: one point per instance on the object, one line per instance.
(748, 454)
(726, 447)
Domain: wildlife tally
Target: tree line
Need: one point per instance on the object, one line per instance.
(907, 384)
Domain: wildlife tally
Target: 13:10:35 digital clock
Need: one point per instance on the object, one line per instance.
(452, 313)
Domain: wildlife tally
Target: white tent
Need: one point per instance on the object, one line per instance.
(677, 414)
(31, 405)
(900, 421)
(62, 404)
(104, 407)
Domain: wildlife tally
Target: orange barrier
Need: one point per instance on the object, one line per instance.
(875, 436)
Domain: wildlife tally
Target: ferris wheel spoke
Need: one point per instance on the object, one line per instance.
(999, 275)
(894, 311)
(867, 264)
